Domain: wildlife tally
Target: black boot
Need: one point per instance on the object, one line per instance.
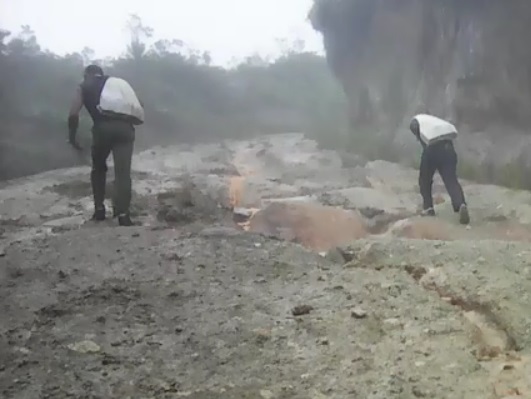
(99, 214)
(125, 220)
(464, 217)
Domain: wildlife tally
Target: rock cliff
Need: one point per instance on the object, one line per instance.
(464, 60)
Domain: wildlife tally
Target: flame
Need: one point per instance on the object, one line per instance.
(236, 192)
(236, 184)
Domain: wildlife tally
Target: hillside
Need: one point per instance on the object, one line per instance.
(263, 269)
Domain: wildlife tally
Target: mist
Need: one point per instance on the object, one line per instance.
(187, 97)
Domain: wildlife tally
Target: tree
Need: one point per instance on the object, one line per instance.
(138, 34)
(88, 55)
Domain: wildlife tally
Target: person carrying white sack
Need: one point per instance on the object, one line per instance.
(115, 110)
(436, 137)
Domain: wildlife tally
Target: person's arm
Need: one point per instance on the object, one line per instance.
(415, 129)
(73, 118)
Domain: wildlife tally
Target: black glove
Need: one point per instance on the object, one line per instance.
(73, 122)
(74, 144)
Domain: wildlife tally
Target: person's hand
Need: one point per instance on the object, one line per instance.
(74, 144)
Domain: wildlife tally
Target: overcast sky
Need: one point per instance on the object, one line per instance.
(227, 28)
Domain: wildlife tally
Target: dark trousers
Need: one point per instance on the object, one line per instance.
(117, 137)
(440, 157)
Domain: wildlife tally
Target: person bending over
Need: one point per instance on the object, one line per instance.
(436, 137)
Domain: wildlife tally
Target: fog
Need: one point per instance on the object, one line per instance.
(228, 30)
(207, 73)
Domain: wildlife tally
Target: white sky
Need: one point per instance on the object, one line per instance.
(227, 28)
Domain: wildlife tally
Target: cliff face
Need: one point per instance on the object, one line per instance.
(465, 60)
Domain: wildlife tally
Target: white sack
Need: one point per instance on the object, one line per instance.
(433, 129)
(119, 98)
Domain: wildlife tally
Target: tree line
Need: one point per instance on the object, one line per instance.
(186, 97)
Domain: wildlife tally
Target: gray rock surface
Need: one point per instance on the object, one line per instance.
(196, 303)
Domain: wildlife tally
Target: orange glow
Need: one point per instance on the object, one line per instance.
(236, 193)
(236, 184)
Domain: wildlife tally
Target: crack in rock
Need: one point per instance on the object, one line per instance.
(489, 334)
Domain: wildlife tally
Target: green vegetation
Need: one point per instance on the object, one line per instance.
(185, 96)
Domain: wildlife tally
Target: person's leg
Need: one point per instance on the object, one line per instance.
(100, 152)
(123, 145)
(448, 170)
(426, 172)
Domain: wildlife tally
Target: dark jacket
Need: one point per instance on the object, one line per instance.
(91, 89)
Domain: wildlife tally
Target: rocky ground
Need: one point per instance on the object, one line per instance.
(264, 269)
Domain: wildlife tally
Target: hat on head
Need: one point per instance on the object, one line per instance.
(94, 70)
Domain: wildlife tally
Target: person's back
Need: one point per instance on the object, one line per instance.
(433, 129)
(436, 137)
(111, 132)
(91, 89)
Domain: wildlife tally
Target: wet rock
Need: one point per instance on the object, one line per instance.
(301, 310)
(358, 313)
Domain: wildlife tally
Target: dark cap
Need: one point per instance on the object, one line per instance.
(94, 70)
